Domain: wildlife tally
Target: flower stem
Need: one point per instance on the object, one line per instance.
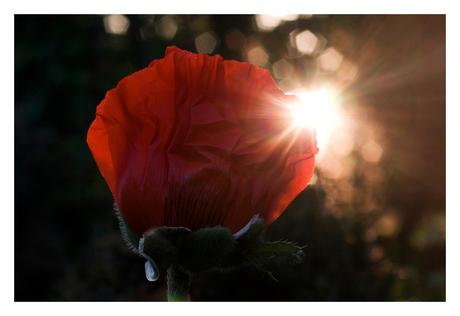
(178, 282)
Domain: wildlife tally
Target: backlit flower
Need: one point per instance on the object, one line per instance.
(195, 141)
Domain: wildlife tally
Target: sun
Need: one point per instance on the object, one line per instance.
(319, 109)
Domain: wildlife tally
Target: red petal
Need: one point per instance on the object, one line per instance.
(196, 141)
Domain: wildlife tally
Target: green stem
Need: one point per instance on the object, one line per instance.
(178, 282)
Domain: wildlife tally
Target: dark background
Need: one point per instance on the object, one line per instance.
(384, 240)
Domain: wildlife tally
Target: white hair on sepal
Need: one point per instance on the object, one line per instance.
(130, 237)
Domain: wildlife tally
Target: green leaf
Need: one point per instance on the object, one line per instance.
(268, 250)
(263, 271)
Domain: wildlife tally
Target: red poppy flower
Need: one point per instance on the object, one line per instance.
(195, 141)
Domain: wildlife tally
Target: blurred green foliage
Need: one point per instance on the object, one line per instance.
(67, 243)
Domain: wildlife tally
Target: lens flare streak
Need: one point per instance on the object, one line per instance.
(320, 110)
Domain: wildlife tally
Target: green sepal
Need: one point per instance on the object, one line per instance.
(163, 244)
(250, 239)
(191, 251)
(268, 250)
(205, 248)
